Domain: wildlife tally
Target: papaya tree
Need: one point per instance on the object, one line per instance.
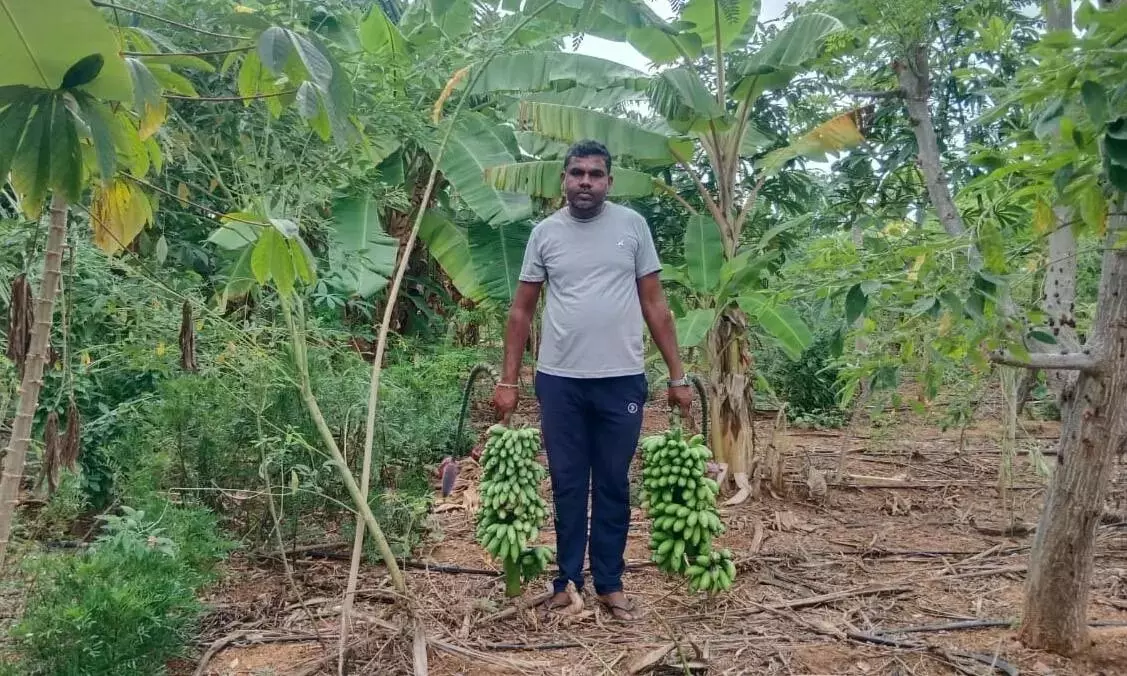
(81, 105)
(703, 101)
(65, 100)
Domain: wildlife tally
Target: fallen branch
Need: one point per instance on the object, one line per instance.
(992, 661)
(1013, 530)
(251, 636)
(986, 572)
(876, 481)
(481, 657)
(838, 596)
(514, 609)
(949, 626)
(1044, 360)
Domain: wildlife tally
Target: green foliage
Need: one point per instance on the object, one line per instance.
(41, 50)
(125, 605)
(807, 385)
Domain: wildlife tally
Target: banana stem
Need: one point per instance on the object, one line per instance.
(512, 578)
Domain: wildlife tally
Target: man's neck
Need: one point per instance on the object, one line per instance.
(585, 214)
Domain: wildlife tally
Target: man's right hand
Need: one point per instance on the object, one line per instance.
(505, 402)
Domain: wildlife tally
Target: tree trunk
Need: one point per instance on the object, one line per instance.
(732, 401)
(915, 81)
(1059, 300)
(12, 472)
(1061, 561)
(1059, 291)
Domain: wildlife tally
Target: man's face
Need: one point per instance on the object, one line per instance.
(586, 182)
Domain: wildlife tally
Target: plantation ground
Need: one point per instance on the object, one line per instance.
(913, 573)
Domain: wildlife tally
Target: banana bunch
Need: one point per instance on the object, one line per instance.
(534, 560)
(681, 503)
(712, 572)
(512, 510)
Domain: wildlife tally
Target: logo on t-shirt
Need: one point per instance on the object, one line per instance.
(632, 407)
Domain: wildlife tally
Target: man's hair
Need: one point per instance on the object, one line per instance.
(587, 148)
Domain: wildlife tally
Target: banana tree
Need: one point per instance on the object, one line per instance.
(695, 124)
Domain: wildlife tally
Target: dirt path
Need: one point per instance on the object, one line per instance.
(861, 584)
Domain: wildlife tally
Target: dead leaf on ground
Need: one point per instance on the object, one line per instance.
(788, 521)
(471, 499)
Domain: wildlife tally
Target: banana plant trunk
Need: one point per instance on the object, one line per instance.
(732, 405)
(16, 453)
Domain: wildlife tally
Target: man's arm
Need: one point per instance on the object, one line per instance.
(517, 328)
(660, 322)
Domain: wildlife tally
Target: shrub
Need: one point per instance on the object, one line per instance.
(124, 606)
(808, 384)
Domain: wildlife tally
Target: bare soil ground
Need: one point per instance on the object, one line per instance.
(915, 567)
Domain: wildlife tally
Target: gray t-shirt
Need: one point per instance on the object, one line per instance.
(592, 325)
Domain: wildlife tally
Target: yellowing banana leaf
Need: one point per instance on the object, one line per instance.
(542, 179)
(832, 136)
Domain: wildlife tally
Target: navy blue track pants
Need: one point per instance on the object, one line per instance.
(590, 429)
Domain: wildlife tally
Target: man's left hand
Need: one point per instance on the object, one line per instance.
(681, 396)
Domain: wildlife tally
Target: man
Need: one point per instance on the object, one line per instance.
(601, 268)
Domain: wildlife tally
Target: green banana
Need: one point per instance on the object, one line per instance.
(680, 503)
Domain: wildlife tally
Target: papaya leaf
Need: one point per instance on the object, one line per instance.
(272, 261)
(31, 168)
(855, 303)
(99, 121)
(83, 71)
(13, 122)
(119, 211)
(52, 44)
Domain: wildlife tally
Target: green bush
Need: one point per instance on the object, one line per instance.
(806, 385)
(127, 604)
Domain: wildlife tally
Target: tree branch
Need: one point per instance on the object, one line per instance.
(876, 94)
(210, 52)
(1077, 361)
(154, 17)
(227, 99)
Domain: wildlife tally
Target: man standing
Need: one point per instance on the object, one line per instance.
(601, 268)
